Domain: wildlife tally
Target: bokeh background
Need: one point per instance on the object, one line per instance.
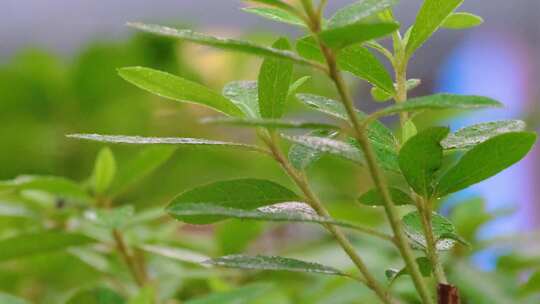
(57, 76)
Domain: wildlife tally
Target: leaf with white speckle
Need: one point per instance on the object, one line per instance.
(274, 263)
(476, 134)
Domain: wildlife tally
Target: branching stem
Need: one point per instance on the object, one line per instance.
(376, 174)
(311, 198)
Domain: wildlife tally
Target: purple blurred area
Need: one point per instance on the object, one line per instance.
(499, 59)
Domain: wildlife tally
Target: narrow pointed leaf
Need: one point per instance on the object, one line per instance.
(301, 156)
(243, 295)
(359, 10)
(355, 59)
(58, 186)
(486, 160)
(439, 101)
(38, 243)
(244, 194)
(443, 230)
(181, 141)
(221, 43)
(245, 95)
(432, 14)
(269, 123)
(374, 197)
(470, 136)
(274, 80)
(273, 263)
(421, 157)
(281, 212)
(276, 14)
(104, 170)
(176, 88)
(356, 33)
(462, 20)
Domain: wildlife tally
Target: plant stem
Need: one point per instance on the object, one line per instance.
(376, 174)
(137, 274)
(431, 243)
(312, 199)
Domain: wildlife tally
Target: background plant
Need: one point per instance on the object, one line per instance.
(428, 160)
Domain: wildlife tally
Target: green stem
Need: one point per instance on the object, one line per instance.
(376, 174)
(137, 274)
(431, 243)
(312, 199)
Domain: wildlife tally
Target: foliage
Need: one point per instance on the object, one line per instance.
(154, 259)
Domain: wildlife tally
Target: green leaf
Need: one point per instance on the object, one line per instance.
(532, 285)
(245, 94)
(460, 21)
(423, 264)
(175, 253)
(356, 33)
(359, 10)
(387, 156)
(443, 230)
(439, 101)
(380, 95)
(104, 171)
(355, 59)
(295, 86)
(273, 263)
(274, 80)
(96, 296)
(409, 130)
(181, 141)
(485, 160)
(275, 14)
(377, 132)
(432, 14)
(112, 218)
(268, 123)
(302, 156)
(330, 146)
(245, 194)
(421, 157)
(58, 186)
(38, 243)
(176, 88)
(146, 295)
(221, 43)
(243, 295)
(374, 197)
(9, 299)
(470, 136)
(280, 212)
(137, 168)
